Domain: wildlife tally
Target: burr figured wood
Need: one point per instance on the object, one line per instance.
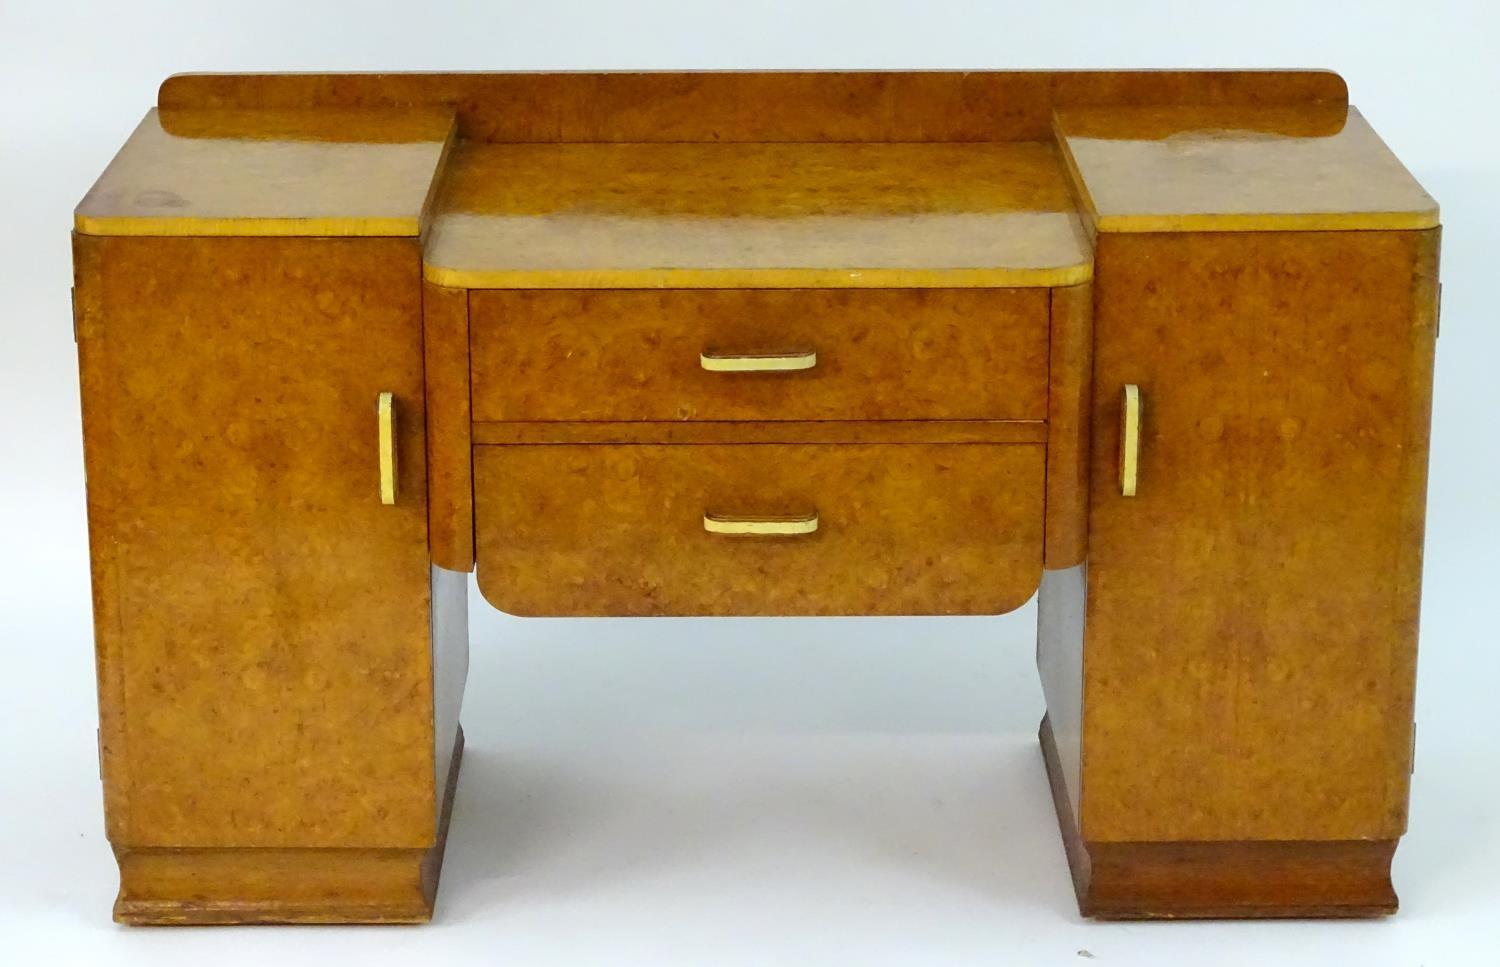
(171, 886)
(777, 431)
(1248, 879)
(634, 354)
(757, 215)
(754, 106)
(297, 173)
(450, 480)
(1069, 392)
(1247, 751)
(1307, 168)
(248, 580)
(1281, 496)
(262, 620)
(756, 343)
(618, 530)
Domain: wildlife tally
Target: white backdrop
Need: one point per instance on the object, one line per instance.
(765, 791)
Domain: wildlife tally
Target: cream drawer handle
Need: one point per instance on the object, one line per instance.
(1130, 440)
(760, 526)
(716, 362)
(385, 419)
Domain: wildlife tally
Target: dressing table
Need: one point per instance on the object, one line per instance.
(1156, 346)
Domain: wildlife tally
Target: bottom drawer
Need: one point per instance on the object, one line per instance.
(564, 529)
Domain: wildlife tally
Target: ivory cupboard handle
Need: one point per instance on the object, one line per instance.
(760, 526)
(717, 362)
(1130, 439)
(385, 418)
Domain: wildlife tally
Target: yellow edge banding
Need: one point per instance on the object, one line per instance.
(757, 278)
(403, 227)
(1270, 222)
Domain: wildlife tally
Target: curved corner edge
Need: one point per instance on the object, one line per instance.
(168, 91)
(494, 599)
(1338, 87)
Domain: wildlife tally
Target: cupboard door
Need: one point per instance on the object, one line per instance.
(1252, 611)
(261, 616)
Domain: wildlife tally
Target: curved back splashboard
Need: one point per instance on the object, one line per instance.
(757, 106)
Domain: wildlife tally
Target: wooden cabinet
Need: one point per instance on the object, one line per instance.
(1284, 385)
(264, 621)
(787, 343)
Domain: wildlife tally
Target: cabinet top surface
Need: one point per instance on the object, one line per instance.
(844, 200)
(1239, 169)
(562, 215)
(270, 172)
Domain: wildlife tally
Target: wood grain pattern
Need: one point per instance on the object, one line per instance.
(752, 105)
(1303, 168)
(450, 477)
(1070, 370)
(189, 887)
(618, 530)
(917, 354)
(1216, 880)
(756, 215)
(1286, 386)
(782, 431)
(271, 173)
(261, 619)
(193, 886)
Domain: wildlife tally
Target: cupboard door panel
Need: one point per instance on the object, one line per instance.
(261, 617)
(1252, 610)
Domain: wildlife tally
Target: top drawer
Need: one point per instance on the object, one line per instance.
(881, 354)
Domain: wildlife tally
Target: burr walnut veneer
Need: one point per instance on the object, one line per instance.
(1157, 343)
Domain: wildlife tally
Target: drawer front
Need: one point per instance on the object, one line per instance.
(880, 354)
(566, 529)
